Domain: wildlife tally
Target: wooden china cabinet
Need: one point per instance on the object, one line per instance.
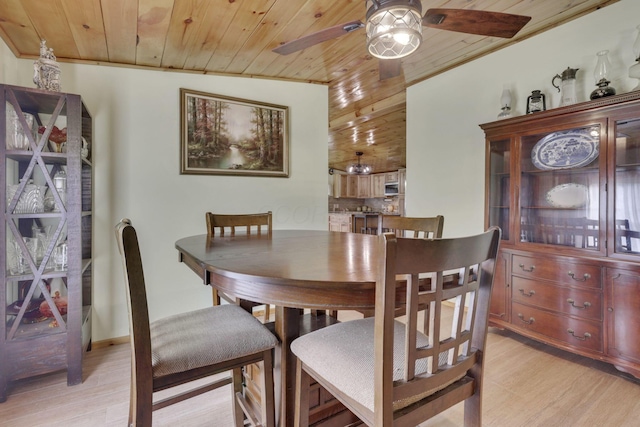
(46, 234)
(564, 186)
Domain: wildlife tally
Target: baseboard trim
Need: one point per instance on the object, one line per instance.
(109, 342)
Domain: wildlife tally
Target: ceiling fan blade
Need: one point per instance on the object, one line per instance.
(484, 23)
(318, 37)
(388, 68)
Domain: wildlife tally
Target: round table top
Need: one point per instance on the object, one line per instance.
(292, 268)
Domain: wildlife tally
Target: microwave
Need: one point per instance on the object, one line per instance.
(391, 189)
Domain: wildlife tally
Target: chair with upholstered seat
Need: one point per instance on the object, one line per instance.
(258, 223)
(182, 348)
(387, 372)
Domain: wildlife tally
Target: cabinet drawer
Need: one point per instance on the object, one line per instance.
(583, 334)
(585, 303)
(559, 271)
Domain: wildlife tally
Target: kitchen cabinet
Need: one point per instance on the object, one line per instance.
(340, 222)
(377, 184)
(46, 234)
(563, 185)
(364, 187)
(352, 186)
(391, 177)
(339, 185)
(402, 181)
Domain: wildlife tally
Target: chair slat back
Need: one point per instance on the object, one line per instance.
(403, 226)
(453, 345)
(140, 337)
(258, 222)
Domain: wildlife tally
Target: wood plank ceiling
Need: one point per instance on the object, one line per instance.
(236, 37)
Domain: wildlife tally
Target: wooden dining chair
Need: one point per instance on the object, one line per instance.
(258, 223)
(387, 372)
(414, 227)
(182, 348)
(404, 226)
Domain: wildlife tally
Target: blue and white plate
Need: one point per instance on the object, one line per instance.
(565, 150)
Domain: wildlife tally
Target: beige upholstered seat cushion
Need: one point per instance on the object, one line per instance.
(343, 355)
(204, 337)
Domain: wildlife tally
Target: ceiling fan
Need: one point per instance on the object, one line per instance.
(394, 29)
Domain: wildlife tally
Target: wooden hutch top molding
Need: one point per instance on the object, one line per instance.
(618, 101)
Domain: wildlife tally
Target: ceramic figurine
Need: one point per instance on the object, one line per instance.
(46, 70)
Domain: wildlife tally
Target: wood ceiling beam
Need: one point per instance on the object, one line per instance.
(398, 100)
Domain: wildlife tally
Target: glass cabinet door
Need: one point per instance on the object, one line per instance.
(500, 186)
(35, 274)
(627, 188)
(559, 194)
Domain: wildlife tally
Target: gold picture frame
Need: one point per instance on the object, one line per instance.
(220, 135)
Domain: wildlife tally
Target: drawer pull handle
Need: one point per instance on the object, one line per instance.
(527, 270)
(585, 277)
(527, 294)
(585, 305)
(528, 322)
(582, 338)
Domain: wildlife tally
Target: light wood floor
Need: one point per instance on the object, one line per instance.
(526, 384)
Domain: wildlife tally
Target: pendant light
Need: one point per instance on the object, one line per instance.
(359, 168)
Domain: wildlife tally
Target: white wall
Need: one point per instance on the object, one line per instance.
(136, 134)
(7, 64)
(445, 145)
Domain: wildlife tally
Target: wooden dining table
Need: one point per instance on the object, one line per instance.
(292, 270)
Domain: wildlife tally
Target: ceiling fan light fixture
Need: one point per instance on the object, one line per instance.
(359, 168)
(394, 28)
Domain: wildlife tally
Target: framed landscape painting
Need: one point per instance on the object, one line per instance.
(230, 136)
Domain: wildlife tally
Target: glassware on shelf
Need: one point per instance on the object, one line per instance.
(601, 73)
(31, 200)
(60, 257)
(15, 259)
(60, 182)
(49, 201)
(18, 260)
(16, 134)
(32, 246)
(43, 235)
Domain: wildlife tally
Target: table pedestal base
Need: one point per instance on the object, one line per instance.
(324, 409)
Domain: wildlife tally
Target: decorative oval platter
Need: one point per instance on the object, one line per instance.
(568, 196)
(565, 150)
